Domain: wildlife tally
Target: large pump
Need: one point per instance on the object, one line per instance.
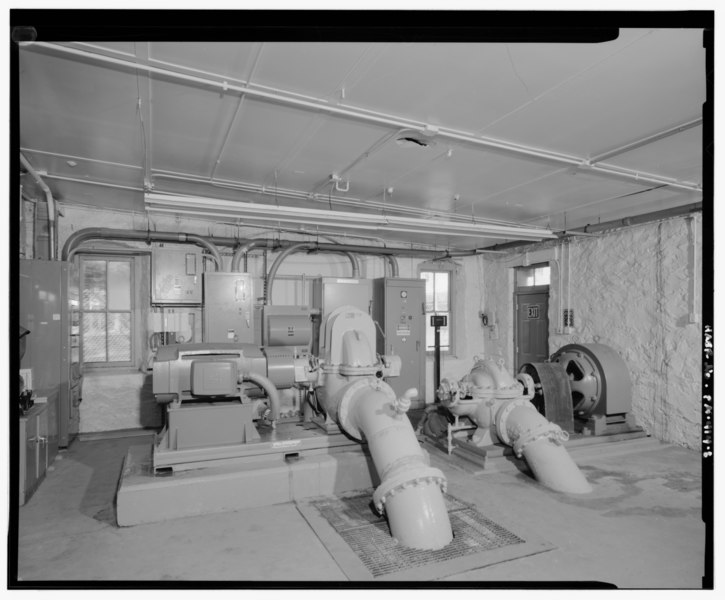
(222, 401)
(501, 408)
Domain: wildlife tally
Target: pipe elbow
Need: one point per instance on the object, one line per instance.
(271, 390)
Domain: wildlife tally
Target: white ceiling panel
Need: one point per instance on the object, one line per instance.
(232, 60)
(122, 125)
(645, 87)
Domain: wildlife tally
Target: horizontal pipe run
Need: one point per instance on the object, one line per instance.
(75, 239)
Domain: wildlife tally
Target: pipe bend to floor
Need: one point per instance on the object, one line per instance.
(410, 491)
(540, 442)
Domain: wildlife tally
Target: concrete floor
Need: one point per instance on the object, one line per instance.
(640, 528)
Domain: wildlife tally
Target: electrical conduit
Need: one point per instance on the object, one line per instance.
(49, 200)
(84, 235)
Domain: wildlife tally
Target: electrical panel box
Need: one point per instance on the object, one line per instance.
(176, 276)
(399, 310)
(329, 293)
(228, 308)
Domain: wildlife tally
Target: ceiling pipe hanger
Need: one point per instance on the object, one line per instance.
(381, 119)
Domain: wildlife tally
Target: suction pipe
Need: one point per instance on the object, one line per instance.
(539, 441)
(410, 490)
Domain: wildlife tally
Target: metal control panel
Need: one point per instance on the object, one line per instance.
(228, 308)
(176, 276)
(398, 308)
(329, 293)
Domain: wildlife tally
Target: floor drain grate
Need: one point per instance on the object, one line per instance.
(368, 535)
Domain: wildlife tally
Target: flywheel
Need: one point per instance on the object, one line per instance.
(552, 394)
(598, 377)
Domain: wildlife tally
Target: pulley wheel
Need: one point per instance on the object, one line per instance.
(598, 377)
(552, 396)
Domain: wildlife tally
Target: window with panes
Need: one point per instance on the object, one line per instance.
(106, 311)
(437, 302)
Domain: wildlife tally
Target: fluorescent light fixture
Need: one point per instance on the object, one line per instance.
(211, 207)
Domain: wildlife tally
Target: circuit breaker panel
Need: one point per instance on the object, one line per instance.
(228, 308)
(176, 276)
(398, 307)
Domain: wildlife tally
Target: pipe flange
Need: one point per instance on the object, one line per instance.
(503, 413)
(408, 478)
(546, 430)
(344, 405)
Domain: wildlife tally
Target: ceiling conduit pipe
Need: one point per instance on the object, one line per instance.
(84, 235)
(295, 248)
(50, 202)
(242, 251)
(393, 262)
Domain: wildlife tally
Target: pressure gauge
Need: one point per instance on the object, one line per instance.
(404, 294)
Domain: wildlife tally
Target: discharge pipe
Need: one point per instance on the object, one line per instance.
(410, 490)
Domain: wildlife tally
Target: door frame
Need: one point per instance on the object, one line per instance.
(524, 291)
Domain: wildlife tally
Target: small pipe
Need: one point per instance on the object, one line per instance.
(393, 262)
(241, 253)
(291, 250)
(275, 267)
(269, 388)
(49, 200)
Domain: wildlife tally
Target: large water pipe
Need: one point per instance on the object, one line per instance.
(366, 408)
(540, 442)
(502, 410)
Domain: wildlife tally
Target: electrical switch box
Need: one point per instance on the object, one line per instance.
(329, 293)
(228, 308)
(399, 310)
(176, 276)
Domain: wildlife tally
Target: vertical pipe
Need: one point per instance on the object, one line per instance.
(49, 200)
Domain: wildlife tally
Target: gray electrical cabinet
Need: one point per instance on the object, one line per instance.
(399, 310)
(329, 293)
(176, 276)
(228, 308)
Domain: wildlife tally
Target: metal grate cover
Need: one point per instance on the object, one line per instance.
(368, 535)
